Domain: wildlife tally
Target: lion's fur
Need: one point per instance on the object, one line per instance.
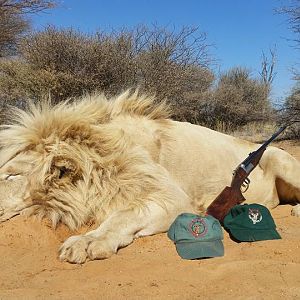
(102, 169)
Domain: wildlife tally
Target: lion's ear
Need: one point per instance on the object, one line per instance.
(62, 172)
(63, 168)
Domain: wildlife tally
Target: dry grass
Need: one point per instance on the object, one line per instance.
(258, 132)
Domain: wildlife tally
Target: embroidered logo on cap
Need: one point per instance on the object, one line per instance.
(198, 227)
(254, 215)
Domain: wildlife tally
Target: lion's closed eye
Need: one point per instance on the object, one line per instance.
(11, 176)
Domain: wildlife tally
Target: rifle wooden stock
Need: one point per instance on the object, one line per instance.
(229, 197)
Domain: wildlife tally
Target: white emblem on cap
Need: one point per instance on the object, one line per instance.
(254, 215)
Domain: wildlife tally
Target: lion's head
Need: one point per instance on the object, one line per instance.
(69, 162)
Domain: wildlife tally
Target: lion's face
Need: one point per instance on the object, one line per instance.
(25, 181)
(14, 187)
(47, 185)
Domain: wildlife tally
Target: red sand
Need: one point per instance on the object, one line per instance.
(150, 267)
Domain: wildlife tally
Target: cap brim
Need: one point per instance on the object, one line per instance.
(200, 249)
(254, 235)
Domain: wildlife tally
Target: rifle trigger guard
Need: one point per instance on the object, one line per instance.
(245, 185)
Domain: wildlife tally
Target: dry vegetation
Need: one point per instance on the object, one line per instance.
(290, 112)
(174, 65)
(14, 21)
(65, 63)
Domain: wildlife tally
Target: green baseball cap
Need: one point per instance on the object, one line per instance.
(196, 236)
(250, 222)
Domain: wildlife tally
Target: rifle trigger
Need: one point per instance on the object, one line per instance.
(245, 185)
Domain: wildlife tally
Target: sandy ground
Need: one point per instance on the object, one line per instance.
(150, 267)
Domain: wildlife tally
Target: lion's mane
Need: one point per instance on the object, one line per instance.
(85, 165)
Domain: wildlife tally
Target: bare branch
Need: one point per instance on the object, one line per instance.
(24, 7)
(267, 72)
(14, 21)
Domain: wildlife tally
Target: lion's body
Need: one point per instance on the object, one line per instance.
(124, 165)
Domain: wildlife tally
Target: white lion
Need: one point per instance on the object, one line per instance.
(125, 166)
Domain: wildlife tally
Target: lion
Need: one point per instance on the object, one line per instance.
(125, 166)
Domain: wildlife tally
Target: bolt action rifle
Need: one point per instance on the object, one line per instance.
(232, 195)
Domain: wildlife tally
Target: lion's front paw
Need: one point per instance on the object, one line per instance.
(74, 249)
(296, 210)
(99, 250)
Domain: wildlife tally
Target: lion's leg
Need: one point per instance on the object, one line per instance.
(119, 230)
(286, 171)
(123, 226)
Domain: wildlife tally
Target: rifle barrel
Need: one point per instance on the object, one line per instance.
(263, 146)
(273, 137)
